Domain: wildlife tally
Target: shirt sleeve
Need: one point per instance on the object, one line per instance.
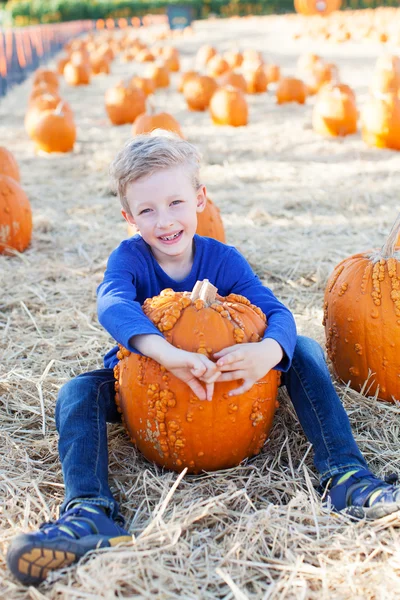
(281, 325)
(118, 310)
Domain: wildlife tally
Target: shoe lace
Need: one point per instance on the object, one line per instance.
(73, 523)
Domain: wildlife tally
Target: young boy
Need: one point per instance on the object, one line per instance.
(157, 181)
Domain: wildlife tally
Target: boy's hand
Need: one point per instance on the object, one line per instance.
(192, 367)
(249, 362)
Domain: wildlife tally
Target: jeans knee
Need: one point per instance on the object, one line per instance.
(67, 397)
(307, 350)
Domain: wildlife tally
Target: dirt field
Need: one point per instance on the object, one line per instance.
(294, 204)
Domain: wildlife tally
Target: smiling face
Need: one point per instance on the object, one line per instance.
(164, 208)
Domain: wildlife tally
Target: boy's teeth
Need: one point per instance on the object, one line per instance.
(170, 237)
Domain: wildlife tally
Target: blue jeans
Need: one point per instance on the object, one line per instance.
(86, 404)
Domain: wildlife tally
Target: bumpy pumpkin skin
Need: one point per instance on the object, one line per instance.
(209, 223)
(362, 323)
(164, 419)
(15, 216)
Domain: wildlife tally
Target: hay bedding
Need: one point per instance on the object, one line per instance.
(294, 204)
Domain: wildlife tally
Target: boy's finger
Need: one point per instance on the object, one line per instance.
(224, 351)
(232, 375)
(209, 391)
(197, 389)
(230, 366)
(211, 378)
(247, 385)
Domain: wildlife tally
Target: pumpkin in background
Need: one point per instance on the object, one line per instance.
(38, 106)
(15, 216)
(198, 91)
(306, 62)
(273, 72)
(380, 119)
(385, 81)
(61, 64)
(159, 74)
(99, 64)
(146, 122)
(256, 80)
(209, 223)
(77, 74)
(234, 58)
(184, 78)
(164, 419)
(54, 131)
(204, 54)
(316, 7)
(124, 104)
(335, 112)
(41, 89)
(362, 319)
(228, 106)
(145, 56)
(320, 74)
(216, 66)
(46, 76)
(172, 63)
(8, 164)
(236, 80)
(144, 83)
(290, 89)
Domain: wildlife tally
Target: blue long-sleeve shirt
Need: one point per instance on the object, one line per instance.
(133, 275)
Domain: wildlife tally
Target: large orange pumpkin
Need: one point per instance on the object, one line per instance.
(164, 419)
(209, 223)
(228, 106)
(15, 216)
(381, 121)
(362, 319)
(124, 104)
(8, 164)
(335, 112)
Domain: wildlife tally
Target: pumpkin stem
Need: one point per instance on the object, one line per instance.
(204, 290)
(388, 249)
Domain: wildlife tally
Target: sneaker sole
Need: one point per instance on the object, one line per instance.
(31, 562)
(373, 513)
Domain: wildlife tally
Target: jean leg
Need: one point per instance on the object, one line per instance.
(84, 406)
(320, 411)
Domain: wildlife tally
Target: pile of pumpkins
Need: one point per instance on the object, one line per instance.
(15, 209)
(49, 120)
(376, 25)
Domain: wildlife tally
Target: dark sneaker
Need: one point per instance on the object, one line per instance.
(57, 544)
(361, 495)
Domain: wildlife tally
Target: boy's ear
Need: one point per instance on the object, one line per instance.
(201, 198)
(128, 218)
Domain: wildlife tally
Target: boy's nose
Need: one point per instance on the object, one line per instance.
(164, 221)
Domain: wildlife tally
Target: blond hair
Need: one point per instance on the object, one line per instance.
(147, 154)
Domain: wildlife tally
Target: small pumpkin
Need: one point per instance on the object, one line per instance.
(8, 164)
(172, 63)
(236, 80)
(362, 319)
(123, 104)
(273, 72)
(99, 64)
(256, 80)
(54, 131)
(216, 66)
(380, 120)
(198, 91)
(234, 58)
(77, 74)
(164, 419)
(159, 74)
(335, 112)
(38, 106)
(228, 106)
(146, 84)
(204, 54)
(145, 56)
(146, 122)
(46, 76)
(184, 78)
(15, 216)
(385, 81)
(291, 89)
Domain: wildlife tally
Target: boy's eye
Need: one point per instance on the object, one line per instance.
(176, 201)
(144, 211)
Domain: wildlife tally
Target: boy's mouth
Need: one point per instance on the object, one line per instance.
(169, 239)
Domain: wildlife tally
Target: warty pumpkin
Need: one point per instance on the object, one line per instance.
(124, 104)
(228, 106)
(164, 419)
(15, 216)
(54, 131)
(198, 91)
(362, 319)
(335, 112)
(8, 164)
(380, 119)
(290, 89)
